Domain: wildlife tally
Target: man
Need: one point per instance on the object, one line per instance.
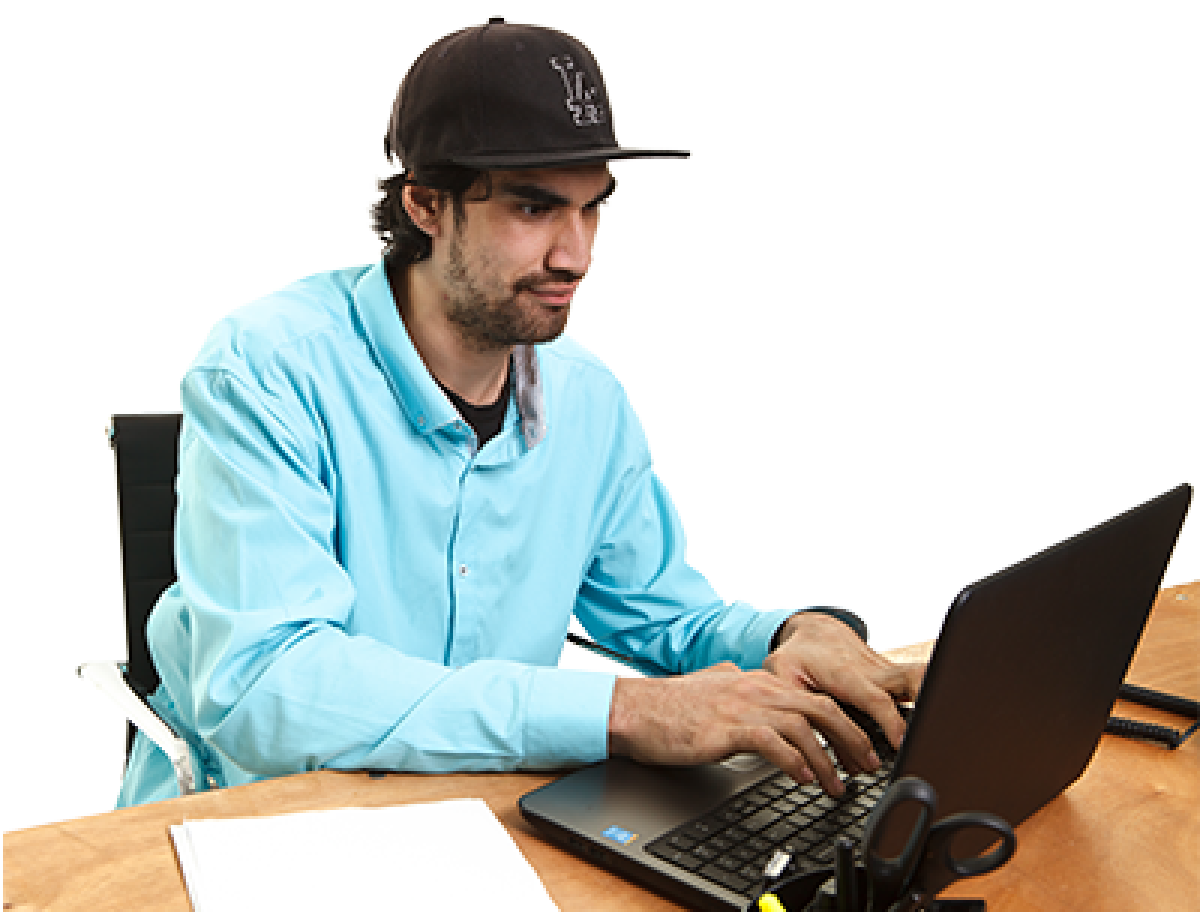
(397, 483)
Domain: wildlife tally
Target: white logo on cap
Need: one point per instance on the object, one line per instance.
(584, 111)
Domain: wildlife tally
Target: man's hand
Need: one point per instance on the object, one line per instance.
(712, 714)
(821, 654)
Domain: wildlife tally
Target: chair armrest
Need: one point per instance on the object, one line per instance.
(109, 679)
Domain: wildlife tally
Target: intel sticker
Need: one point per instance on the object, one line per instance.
(619, 835)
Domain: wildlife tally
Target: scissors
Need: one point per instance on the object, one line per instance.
(927, 864)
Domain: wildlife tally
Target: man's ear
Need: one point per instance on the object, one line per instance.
(426, 207)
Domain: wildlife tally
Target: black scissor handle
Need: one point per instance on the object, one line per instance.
(890, 874)
(939, 846)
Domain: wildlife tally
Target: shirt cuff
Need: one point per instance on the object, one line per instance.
(851, 618)
(567, 717)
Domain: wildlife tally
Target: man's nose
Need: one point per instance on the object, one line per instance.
(571, 247)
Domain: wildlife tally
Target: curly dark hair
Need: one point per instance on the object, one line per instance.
(403, 242)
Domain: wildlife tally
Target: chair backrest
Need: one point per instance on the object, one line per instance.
(146, 448)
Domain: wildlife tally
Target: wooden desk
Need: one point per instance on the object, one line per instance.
(1126, 836)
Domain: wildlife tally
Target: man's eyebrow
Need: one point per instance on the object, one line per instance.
(533, 193)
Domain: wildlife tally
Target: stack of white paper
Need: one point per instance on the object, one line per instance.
(445, 855)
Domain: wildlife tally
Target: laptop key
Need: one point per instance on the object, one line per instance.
(701, 829)
(729, 815)
(720, 843)
(825, 829)
(737, 834)
(807, 814)
(779, 831)
(799, 819)
(705, 851)
(751, 873)
(760, 820)
(745, 854)
(728, 879)
(674, 856)
(729, 863)
(823, 852)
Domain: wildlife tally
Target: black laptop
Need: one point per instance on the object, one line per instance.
(1019, 688)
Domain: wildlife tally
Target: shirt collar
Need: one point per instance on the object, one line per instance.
(423, 402)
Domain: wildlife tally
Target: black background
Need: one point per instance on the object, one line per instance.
(887, 331)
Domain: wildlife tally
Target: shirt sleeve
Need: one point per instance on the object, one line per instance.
(252, 643)
(642, 598)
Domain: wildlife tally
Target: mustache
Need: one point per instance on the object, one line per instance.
(549, 277)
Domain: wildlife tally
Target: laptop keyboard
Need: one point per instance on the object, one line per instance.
(733, 843)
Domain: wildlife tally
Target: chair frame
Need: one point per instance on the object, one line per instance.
(146, 451)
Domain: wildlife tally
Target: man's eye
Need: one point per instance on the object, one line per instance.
(534, 210)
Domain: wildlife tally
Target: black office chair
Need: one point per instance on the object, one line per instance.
(146, 448)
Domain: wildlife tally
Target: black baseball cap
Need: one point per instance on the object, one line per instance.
(502, 96)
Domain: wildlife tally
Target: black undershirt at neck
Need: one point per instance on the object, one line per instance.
(485, 420)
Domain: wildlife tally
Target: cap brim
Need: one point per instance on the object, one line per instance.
(518, 160)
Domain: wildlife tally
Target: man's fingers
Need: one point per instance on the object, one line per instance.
(845, 736)
(844, 667)
(796, 727)
(710, 715)
(892, 723)
(785, 733)
(803, 738)
(770, 745)
(902, 686)
(913, 676)
(797, 716)
(907, 681)
(796, 750)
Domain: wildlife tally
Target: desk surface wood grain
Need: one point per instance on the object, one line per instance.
(1125, 836)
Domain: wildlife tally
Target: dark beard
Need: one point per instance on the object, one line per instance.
(497, 324)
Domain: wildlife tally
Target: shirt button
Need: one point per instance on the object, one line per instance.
(463, 571)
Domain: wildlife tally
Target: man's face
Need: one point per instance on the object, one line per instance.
(509, 270)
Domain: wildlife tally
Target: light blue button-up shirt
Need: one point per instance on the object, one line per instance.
(361, 587)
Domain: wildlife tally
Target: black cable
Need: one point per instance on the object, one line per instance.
(1187, 734)
(1143, 731)
(1156, 699)
(1148, 731)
